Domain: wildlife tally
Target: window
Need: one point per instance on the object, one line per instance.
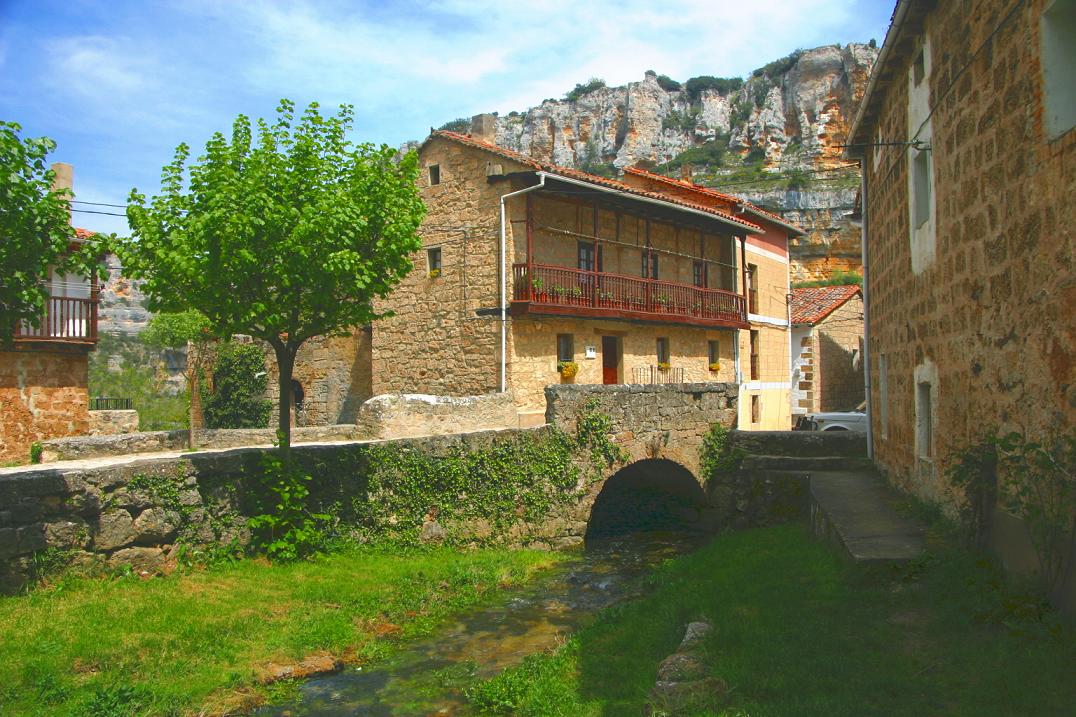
(663, 350)
(1058, 56)
(755, 341)
(923, 200)
(699, 273)
(752, 288)
(919, 69)
(433, 260)
(435, 174)
(650, 265)
(565, 347)
(883, 394)
(924, 420)
(715, 352)
(586, 256)
(756, 408)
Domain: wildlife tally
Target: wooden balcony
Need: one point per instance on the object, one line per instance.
(66, 320)
(559, 290)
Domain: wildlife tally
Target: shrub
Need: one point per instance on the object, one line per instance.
(286, 528)
(707, 154)
(757, 155)
(239, 383)
(798, 179)
(716, 456)
(460, 124)
(777, 68)
(839, 277)
(681, 121)
(594, 83)
(668, 84)
(723, 85)
(35, 452)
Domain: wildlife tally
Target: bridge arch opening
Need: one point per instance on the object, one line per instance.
(648, 495)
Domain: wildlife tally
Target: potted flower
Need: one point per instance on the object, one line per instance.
(664, 366)
(567, 369)
(434, 273)
(715, 367)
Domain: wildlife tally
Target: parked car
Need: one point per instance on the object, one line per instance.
(833, 421)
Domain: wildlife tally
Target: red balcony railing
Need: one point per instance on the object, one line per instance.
(578, 292)
(65, 320)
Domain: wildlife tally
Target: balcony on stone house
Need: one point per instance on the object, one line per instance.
(69, 316)
(592, 259)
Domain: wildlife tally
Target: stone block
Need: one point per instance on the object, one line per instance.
(155, 525)
(140, 560)
(115, 528)
(67, 534)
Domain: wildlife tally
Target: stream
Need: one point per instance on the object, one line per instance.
(427, 677)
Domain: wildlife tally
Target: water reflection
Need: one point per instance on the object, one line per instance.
(428, 677)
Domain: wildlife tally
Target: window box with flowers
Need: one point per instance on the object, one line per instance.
(434, 273)
(664, 366)
(567, 369)
(715, 367)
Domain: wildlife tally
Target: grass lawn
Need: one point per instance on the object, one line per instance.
(197, 640)
(799, 632)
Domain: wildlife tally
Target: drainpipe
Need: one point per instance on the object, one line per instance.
(866, 311)
(504, 280)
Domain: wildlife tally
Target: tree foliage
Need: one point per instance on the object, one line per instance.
(174, 330)
(35, 230)
(283, 231)
(460, 124)
(237, 399)
(723, 85)
(594, 83)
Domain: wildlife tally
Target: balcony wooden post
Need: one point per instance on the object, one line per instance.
(597, 258)
(743, 268)
(529, 276)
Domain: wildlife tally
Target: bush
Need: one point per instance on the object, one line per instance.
(798, 179)
(460, 124)
(35, 452)
(594, 83)
(668, 84)
(839, 277)
(723, 85)
(707, 154)
(757, 155)
(680, 121)
(778, 68)
(239, 383)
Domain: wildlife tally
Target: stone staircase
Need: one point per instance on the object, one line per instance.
(846, 500)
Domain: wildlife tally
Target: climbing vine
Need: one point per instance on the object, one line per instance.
(715, 454)
(1031, 479)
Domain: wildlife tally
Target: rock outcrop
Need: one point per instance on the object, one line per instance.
(802, 103)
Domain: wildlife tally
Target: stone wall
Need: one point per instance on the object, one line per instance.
(43, 395)
(334, 375)
(838, 374)
(411, 415)
(84, 447)
(991, 318)
(651, 421)
(443, 340)
(107, 423)
(533, 364)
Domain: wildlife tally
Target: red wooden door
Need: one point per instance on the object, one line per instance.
(610, 359)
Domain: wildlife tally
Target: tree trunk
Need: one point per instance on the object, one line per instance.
(285, 362)
(194, 387)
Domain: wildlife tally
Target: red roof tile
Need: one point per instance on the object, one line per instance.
(81, 233)
(593, 179)
(812, 305)
(708, 192)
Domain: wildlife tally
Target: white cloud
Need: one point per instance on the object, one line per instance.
(95, 66)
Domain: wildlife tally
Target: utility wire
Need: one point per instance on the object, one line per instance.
(98, 204)
(92, 211)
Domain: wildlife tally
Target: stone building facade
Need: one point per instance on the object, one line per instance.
(628, 282)
(43, 376)
(965, 138)
(827, 343)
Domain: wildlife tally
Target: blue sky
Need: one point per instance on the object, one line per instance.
(118, 84)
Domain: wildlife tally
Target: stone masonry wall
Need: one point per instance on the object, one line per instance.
(993, 315)
(107, 423)
(838, 378)
(334, 374)
(411, 415)
(651, 421)
(43, 395)
(437, 343)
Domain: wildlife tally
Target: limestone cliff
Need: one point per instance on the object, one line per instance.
(795, 110)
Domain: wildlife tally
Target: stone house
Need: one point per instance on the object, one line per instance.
(966, 144)
(43, 376)
(601, 281)
(827, 349)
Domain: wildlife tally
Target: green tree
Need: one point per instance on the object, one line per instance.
(283, 236)
(239, 382)
(191, 330)
(35, 231)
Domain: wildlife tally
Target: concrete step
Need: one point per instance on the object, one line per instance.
(806, 464)
(855, 510)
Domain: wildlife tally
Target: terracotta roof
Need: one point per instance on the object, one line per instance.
(81, 233)
(812, 305)
(708, 192)
(592, 178)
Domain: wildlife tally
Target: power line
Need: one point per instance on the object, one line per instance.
(92, 211)
(99, 204)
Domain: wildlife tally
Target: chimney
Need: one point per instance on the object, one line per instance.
(484, 128)
(686, 171)
(65, 176)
